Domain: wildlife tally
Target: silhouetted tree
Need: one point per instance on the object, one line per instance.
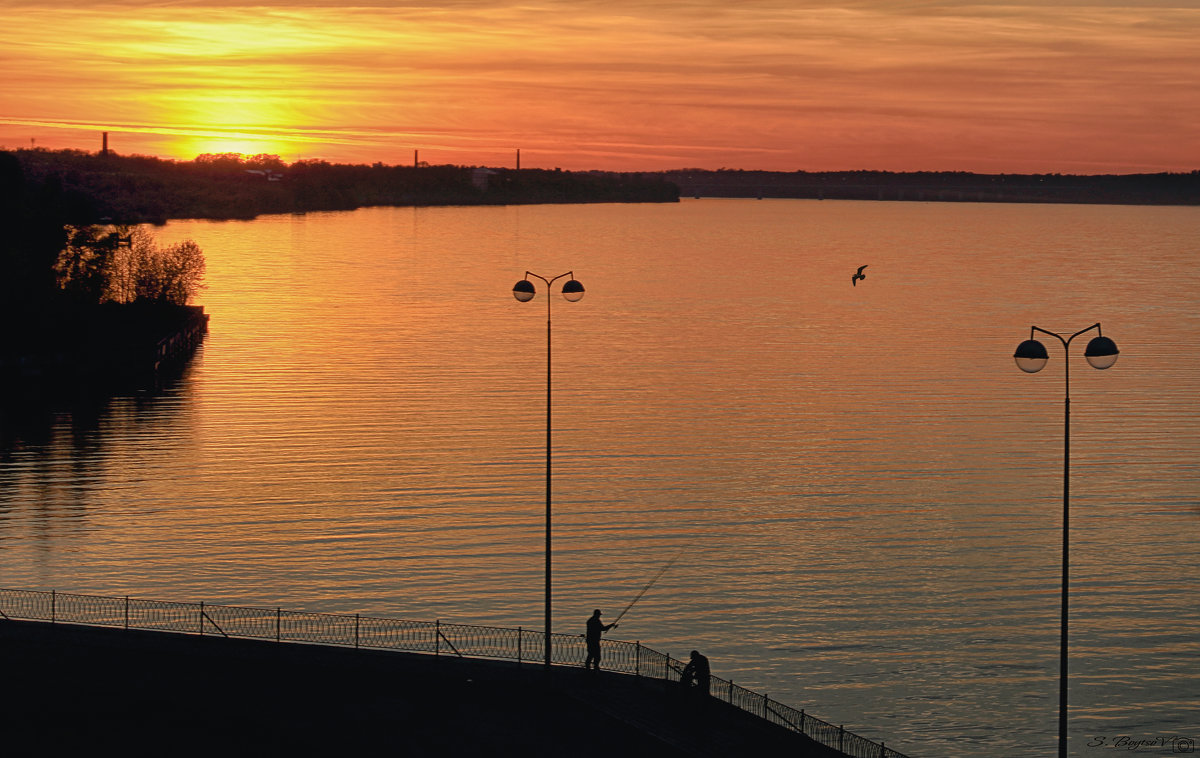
(179, 273)
(265, 161)
(125, 265)
(144, 272)
(219, 160)
(84, 265)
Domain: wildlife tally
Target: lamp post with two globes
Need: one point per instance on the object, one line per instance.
(1031, 357)
(524, 291)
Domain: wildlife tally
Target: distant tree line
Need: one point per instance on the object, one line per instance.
(943, 186)
(139, 189)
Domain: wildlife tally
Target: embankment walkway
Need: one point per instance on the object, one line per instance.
(78, 690)
(85, 674)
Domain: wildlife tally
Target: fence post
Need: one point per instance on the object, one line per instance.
(766, 706)
(201, 618)
(518, 646)
(127, 611)
(277, 615)
(437, 637)
(841, 736)
(53, 604)
(637, 659)
(882, 750)
(731, 692)
(802, 722)
(356, 631)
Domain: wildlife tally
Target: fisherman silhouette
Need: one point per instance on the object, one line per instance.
(696, 674)
(594, 628)
(858, 275)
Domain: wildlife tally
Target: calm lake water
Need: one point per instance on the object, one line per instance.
(864, 493)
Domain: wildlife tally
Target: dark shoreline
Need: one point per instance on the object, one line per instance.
(947, 186)
(93, 188)
(108, 347)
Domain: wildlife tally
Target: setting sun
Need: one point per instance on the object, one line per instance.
(190, 147)
(225, 123)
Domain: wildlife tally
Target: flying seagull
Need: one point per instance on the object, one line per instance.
(858, 275)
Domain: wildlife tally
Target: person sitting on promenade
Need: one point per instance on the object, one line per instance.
(594, 629)
(696, 674)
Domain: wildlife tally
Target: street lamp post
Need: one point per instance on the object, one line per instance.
(524, 291)
(1031, 357)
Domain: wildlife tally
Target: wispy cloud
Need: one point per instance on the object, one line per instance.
(862, 84)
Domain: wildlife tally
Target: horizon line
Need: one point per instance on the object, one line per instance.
(418, 164)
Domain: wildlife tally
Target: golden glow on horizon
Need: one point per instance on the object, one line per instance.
(189, 148)
(870, 84)
(227, 119)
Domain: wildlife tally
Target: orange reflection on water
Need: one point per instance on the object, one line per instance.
(865, 491)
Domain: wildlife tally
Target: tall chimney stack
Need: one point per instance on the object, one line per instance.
(104, 145)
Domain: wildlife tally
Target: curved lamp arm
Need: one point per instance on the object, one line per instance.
(572, 289)
(1031, 356)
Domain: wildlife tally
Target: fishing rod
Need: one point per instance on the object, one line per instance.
(650, 583)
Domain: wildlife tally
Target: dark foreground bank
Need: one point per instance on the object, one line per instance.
(74, 690)
(101, 347)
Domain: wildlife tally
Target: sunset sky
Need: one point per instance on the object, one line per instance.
(1081, 86)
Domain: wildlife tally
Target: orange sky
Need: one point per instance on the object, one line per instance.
(1085, 86)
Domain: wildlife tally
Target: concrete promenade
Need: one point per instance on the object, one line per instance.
(77, 690)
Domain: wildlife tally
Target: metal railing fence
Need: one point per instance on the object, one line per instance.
(524, 646)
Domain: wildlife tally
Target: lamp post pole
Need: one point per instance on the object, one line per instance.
(1031, 357)
(524, 291)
